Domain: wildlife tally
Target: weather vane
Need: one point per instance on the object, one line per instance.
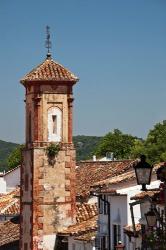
(48, 42)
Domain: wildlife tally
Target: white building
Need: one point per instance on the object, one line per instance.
(9, 180)
(117, 191)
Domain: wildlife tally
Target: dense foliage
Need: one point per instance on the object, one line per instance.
(155, 144)
(117, 143)
(5, 149)
(128, 147)
(14, 158)
(85, 146)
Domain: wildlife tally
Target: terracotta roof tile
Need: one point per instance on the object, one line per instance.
(86, 220)
(10, 203)
(122, 177)
(150, 193)
(49, 70)
(9, 232)
(83, 227)
(89, 173)
(87, 236)
(85, 211)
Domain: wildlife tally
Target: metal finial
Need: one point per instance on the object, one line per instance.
(48, 44)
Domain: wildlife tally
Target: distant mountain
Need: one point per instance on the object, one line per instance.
(5, 149)
(85, 146)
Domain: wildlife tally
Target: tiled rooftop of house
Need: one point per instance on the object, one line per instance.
(85, 211)
(89, 173)
(86, 236)
(121, 177)
(86, 221)
(150, 193)
(49, 70)
(9, 232)
(10, 203)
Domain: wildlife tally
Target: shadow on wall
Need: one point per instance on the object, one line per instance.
(61, 243)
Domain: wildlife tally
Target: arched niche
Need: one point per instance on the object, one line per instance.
(54, 124)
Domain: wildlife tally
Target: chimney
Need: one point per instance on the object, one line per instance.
(94, 157)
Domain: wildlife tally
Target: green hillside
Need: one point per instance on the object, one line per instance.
(5, 149)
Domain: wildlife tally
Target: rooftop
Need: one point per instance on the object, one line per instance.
(86, 221)
(49, 70)
(10, 203)
(9, 232)
(89, 173)
(150, 193)
(121, 177)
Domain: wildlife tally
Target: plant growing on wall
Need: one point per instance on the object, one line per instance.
(52, 150)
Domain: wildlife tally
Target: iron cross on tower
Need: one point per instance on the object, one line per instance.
(48, 44)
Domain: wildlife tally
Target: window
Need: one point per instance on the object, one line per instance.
(116, 234)
(54, 124)
(104, 243)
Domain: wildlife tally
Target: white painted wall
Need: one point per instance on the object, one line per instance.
(120, 210)
(2, 185)
(80, 245)
(48, 242)
(132, 191)
(118, 215)
(12, 179)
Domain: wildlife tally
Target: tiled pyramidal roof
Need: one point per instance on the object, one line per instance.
(49, 70)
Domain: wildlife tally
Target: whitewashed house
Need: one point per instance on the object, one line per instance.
(117, 191)
(9, 180)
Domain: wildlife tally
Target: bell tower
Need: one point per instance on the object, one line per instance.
(48, 162)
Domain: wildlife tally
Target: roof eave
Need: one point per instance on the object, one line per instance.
(52, 81)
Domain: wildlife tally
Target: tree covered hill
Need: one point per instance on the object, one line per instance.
(5, 150)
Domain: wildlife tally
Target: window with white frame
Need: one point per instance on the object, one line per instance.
(54, 124)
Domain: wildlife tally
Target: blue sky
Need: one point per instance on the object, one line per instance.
(116, 47)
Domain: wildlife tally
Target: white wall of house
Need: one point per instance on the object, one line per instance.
(12, 179)
(118, 210)
(2, 185)
(80, 245)
(131, 191)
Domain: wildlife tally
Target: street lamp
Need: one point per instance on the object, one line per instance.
(151, 218)
(143, 171)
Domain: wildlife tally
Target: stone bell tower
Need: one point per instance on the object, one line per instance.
(47, 180)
